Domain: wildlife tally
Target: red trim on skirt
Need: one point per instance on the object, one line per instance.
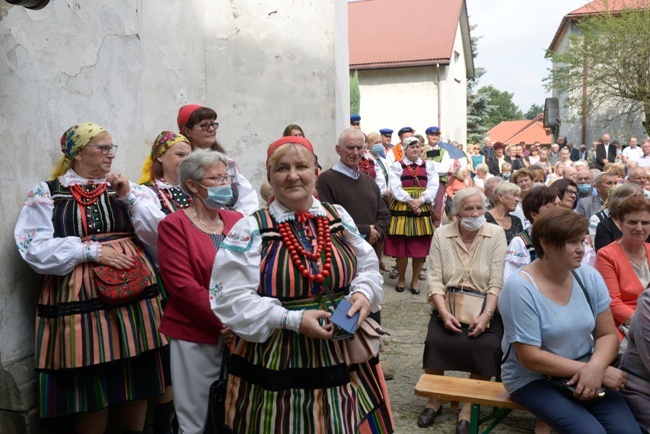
(400, 246)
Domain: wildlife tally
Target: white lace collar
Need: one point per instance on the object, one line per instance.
(281, 213)
(161, 184)
(71, 178)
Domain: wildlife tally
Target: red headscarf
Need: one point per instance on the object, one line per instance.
(288, 139)
(184, 115)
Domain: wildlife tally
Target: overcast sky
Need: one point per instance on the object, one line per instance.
(515, 35)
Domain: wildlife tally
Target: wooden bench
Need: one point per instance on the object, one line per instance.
(476, 392)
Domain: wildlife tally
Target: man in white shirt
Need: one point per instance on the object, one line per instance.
(644, 161)
(632, 152)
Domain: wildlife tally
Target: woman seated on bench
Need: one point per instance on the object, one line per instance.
(549, 317)
(466, 254)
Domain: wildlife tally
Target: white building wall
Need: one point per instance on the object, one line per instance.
(597, 123)
(454, 112)
(398, 97)
(129, 65)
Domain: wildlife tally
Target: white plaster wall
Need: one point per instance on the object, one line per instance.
(272, 64)
(454, 113)
(129, 65)
(398, 97)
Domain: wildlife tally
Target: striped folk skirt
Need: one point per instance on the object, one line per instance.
(295, 384)
(90, 354)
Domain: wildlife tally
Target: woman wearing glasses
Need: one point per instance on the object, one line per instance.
(82, 230)
(188, 242)
(199, 124)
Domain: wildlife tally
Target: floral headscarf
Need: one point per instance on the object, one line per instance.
(163, 142)
(74, 140)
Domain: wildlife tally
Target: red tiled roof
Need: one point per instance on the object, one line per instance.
(514, 132)
(593, 8)
(402, 32)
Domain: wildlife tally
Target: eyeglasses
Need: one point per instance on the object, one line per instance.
(354, 123)
(105, 149)
(206, 126)
(571, 192)
(220, 179)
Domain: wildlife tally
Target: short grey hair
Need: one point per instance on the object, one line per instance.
(350, 132)
(491, 182)
(483, 168)
(193, 166)
(463, 194)
(503, 189)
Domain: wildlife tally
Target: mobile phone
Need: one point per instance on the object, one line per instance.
(341, 319)
(433, 153)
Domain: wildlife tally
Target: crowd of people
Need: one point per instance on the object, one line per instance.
(166, 281)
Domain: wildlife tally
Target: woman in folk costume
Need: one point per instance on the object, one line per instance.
(160, 170)
(286, 373)
(83, 230)
(414, 184)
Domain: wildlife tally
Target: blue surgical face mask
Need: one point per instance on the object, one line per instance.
(219, 196)
(378, 149)
(584, 188)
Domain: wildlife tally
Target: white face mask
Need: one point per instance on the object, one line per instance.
(472, 223)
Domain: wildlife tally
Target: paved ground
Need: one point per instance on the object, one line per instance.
(406, 317)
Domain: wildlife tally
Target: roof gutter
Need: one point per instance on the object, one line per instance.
(407, 64)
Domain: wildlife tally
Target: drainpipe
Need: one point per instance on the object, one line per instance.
(439, 97)
(584, 101)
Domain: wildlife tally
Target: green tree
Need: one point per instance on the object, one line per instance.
(610, 57)
(503, 108)
(478, 107)
(355, 93)
(533, 111)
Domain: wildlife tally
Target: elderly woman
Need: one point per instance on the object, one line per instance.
(199, 124)
(636, 363)
(624, 263)
(514, 157)
(456, 182)
(505, 198)
(606, 222)
(482, 174)
(568, 192)
(269, 284)
(520, 250)
(558, 323)
(160, 170)
(524, 180)
(413, 184)
(188, 242)
(84, 230)
(379, 171)
(466, 255)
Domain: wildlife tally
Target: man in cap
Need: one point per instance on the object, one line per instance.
(386, 137)
(355, 121)
(443, 165)
(397, 152)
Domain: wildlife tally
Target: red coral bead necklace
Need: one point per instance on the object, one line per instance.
(296, 250)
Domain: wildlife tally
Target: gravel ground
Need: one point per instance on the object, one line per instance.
(405, 317)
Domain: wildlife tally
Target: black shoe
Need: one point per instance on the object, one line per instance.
(415, 291)
(399, 288)
(462, 427)
(388, 375)
(428, 416)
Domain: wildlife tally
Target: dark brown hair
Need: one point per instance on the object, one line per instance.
(289, 128)
(632, 204)
(561, 185)
(199, 115)
(536, 198)
(546, 227)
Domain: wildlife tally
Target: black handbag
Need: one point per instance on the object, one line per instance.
(217, 401)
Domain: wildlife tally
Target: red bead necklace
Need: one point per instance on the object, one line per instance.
(87, 197)
(413, 171)
(323, 244)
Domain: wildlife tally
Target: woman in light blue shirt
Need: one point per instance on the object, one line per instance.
(557, 322)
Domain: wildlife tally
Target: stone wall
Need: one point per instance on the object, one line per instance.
(129, 65)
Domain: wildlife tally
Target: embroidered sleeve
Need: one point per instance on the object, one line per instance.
(34, 236)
